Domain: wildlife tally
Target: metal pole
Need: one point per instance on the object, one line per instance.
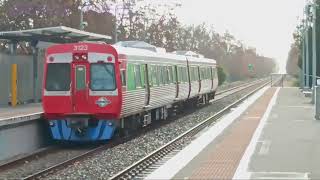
(317, 103)
(307, 59)
(115, 25)
(35, 70)
(314, 51)
(303, 73)
(81, 27)
(314, 47)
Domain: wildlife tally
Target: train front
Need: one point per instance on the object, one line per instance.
(82, 91)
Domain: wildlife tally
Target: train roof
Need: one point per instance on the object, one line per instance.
(161, 56)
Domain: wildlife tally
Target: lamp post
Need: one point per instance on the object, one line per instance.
(115, 24)
(307, 44)
(82, 24)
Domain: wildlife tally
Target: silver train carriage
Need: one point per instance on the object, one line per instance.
(154, 85)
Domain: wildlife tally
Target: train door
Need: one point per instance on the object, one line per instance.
(211, 76)
(177, 80)
(199, 78)
(80, 85)
(147, 84)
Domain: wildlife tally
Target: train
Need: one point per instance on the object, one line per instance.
(93, 90)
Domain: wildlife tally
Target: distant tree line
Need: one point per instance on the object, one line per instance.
(145, 20)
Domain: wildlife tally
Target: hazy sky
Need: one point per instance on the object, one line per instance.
(265, 24)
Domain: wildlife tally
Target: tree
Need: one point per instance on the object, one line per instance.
(221, 75)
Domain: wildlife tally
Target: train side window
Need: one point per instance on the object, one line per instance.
(157, 73)
(185, 70)
(209, 73)
(143, 70)
(182, 75)
(179, 74)
(123, 77)
(131, 85)
(175, 74)
(154, 75)
(137, 72)
(202, 73)
(213, 73)
(192, 74)
(166, 75)
(170, 74)
(161, 77)
(196, 73)
(150, 76)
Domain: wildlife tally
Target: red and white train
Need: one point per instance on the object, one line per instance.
(92, 90)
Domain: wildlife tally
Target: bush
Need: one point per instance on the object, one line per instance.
(221, 75)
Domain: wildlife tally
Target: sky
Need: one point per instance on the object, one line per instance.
(266, 25)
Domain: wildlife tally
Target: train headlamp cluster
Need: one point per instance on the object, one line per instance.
(80, 57)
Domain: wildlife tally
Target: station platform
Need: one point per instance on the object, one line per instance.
(272, 135)
(20, 113)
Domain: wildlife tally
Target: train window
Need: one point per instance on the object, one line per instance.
(169, 74)
(161, 75)
(131, 77)
(58, 77)
(80, 77)
(202, 74)
(196, 73)
(175, 74)
(213, 73)
(185, 71)
(166, 75)
(102, 77)
(170, 69)
(150, 75)
(192, 75)
(143, 70)
(155, 80)
(179, 69)
(157, 73)
(123, 77)
(137, 72)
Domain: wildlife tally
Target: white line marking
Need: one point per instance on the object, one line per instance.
(305, 107)
(300, 120)
(279, 175)
(252, 117)
(179, 161)
(242, 170)
(264, 149)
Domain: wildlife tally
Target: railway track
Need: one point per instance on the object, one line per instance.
(145, 163)
(137, 170)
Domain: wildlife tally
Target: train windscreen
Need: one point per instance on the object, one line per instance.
(58, 77)
(102, 77)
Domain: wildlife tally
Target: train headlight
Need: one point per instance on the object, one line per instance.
(51, 124)
(77, 57)
(84, 57)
